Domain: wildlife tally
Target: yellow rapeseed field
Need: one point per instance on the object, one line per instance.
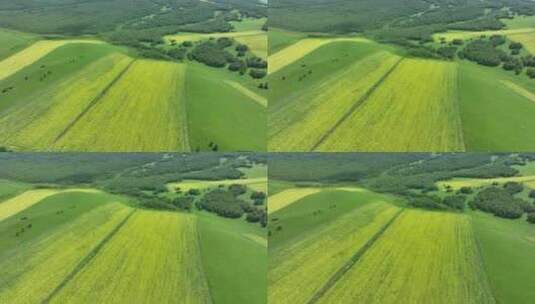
(38, 122)
(300, 124)
(403, 114)
(126, 270)
(298, 271)
(31, 54)
(143, 111)
(35, 269)
(423, 257)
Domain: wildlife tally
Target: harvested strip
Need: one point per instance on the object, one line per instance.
(519, 90)
(300, 124)
(287, 197)
(39, 121)
(424, 257)
(299, 270)
(36, 51)
(402, 115)
(245, 91)
(29, 198)
(124, 271)
(136, 114)
(299, 49)
(44, 263)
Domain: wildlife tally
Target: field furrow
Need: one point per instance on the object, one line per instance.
(31, 54)
(32, 270)
(125, 271)
(422, 248)
(404, 115)
(39, 121)
(299, 270)
(136, 114)
(300, 124)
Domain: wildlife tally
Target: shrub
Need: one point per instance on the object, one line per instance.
(454, 201)
(257, 74)
(531, 217)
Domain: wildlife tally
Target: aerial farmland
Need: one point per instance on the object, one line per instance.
(401, 228)
(384, 76)
(154, 77)
(104, 233)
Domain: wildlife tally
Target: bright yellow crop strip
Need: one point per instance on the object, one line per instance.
(143, 111)
(39, 122)
(31, 54)
(154, 258)
(423, 257)
(414, 109)
(35, 269)
(299, 49)
(300, 125)
(27, 199)
(287, 197)
(298, 271)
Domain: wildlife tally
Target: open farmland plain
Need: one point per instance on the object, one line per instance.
(340, 246)
(327, 95)
(86, 94)
(62, 243)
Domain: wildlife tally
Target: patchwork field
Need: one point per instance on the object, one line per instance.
(333, 245)
(377, 101)
(68, 244)
(87, 95)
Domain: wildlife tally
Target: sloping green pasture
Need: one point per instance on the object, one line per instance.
(13, 41)
(234, 255)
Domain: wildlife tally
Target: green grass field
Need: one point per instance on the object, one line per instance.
(234, 255)
(9, 189)
(12, 41)
(508, 251)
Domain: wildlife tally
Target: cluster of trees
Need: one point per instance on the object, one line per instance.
(501, 203)
(215, 54)
(433, 202)
(258, 197)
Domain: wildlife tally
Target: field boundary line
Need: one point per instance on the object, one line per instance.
(356, 105)
(93, 102)
(204, 275)
(353, 260)
(92, 254)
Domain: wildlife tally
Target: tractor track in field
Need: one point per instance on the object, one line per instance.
(94, 102)
(92, 254)
(356, 105)
(352, 261)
